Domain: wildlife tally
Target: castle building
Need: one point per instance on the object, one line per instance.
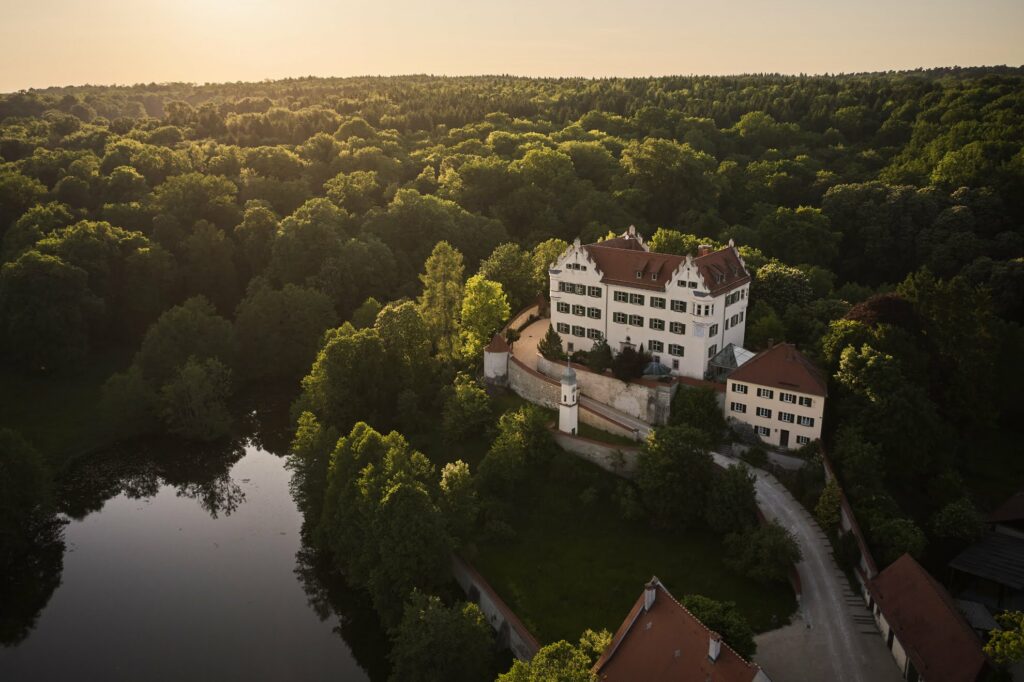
(681, 309)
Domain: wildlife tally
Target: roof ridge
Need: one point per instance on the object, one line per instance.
(701, 623)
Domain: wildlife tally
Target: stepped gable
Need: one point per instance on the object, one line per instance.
(661, 641)
(784, 367)
(722, 270)
(625, 260)
(928, 625)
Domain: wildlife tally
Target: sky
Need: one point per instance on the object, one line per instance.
(72, 42)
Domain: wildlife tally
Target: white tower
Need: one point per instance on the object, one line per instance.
(568, 405)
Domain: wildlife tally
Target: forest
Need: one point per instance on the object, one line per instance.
(369, 234)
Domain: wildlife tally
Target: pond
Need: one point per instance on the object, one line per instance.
(188, 563)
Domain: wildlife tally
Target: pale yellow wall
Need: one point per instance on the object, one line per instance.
(752, 402)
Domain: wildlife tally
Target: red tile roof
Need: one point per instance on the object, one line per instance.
(782, 366)
(621, 258)
(1010, 510)
(939, 642)
(668, 643)
(498, 344)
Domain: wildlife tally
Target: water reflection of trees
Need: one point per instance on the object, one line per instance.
(29, 579)
(329, 596)
(139, 469)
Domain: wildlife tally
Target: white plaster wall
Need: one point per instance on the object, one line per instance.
(531, 387)
(496, 366)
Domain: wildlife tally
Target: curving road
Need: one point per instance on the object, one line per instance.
(832, 636)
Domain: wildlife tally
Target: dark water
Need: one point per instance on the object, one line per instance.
(189, 565)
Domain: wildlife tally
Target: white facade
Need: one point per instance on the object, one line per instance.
(671, 313)
(568, 403)
(496, 366)
(781, 417)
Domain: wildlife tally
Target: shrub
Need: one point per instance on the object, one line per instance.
(763, 553)
(551, 345)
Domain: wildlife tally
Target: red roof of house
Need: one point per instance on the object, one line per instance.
(498, 344)
(668, 643)
(1009, 511)
(939, 642)
(782, 366)
(621, 258)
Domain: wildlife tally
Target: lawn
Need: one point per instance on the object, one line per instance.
(59, 413)
(575, 563)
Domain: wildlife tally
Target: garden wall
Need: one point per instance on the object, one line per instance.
(524, 317)
(621, 461)
(866, 567)
(511, 631)
(532, 386)
(648, 403)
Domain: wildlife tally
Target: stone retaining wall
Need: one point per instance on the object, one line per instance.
(619, 460)
(648, 403)
(512, 633)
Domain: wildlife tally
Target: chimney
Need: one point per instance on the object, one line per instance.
(703, 250)
(650, 592)
(714, 646)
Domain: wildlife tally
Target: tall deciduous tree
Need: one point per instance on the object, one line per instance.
(438, 642)
(484, 309)
(441, 301)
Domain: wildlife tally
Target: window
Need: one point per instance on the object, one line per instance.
(763, 431)
(594, 313)
(657, 324)
(636, 299)
(576, 266)
(693, 285)
(765, 393)
(802, 440)
(787, 397)
(713, 331)
(727, 325)
(619, 317)
(580, 289)
(741, 316)
(655, 346)
(657, 358)
(738, 407)
(675, 364)
(805, 421)
(578, 331)
(657, 302)
(594, 291)
(764, 412)
(636, 320)
(676, 349)
(563, 286)
(594, 334)
(787, 417)
(677, 327)
(570, 346)
(805, 402)
(713, 350)
(679, 306)
(562, 328)
(621, 296)
(579, 310)
(739, 388)
(562, 307)
(654, 277)
(639, 274)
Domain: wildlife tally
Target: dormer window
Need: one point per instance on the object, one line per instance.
(639, 274)
(654, 276)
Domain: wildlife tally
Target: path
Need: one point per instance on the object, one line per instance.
(621, 417)
(833, 636)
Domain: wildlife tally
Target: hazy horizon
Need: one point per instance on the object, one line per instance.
(217, 41)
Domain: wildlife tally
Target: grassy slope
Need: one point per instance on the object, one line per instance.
(575, 565)
(59, 414)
